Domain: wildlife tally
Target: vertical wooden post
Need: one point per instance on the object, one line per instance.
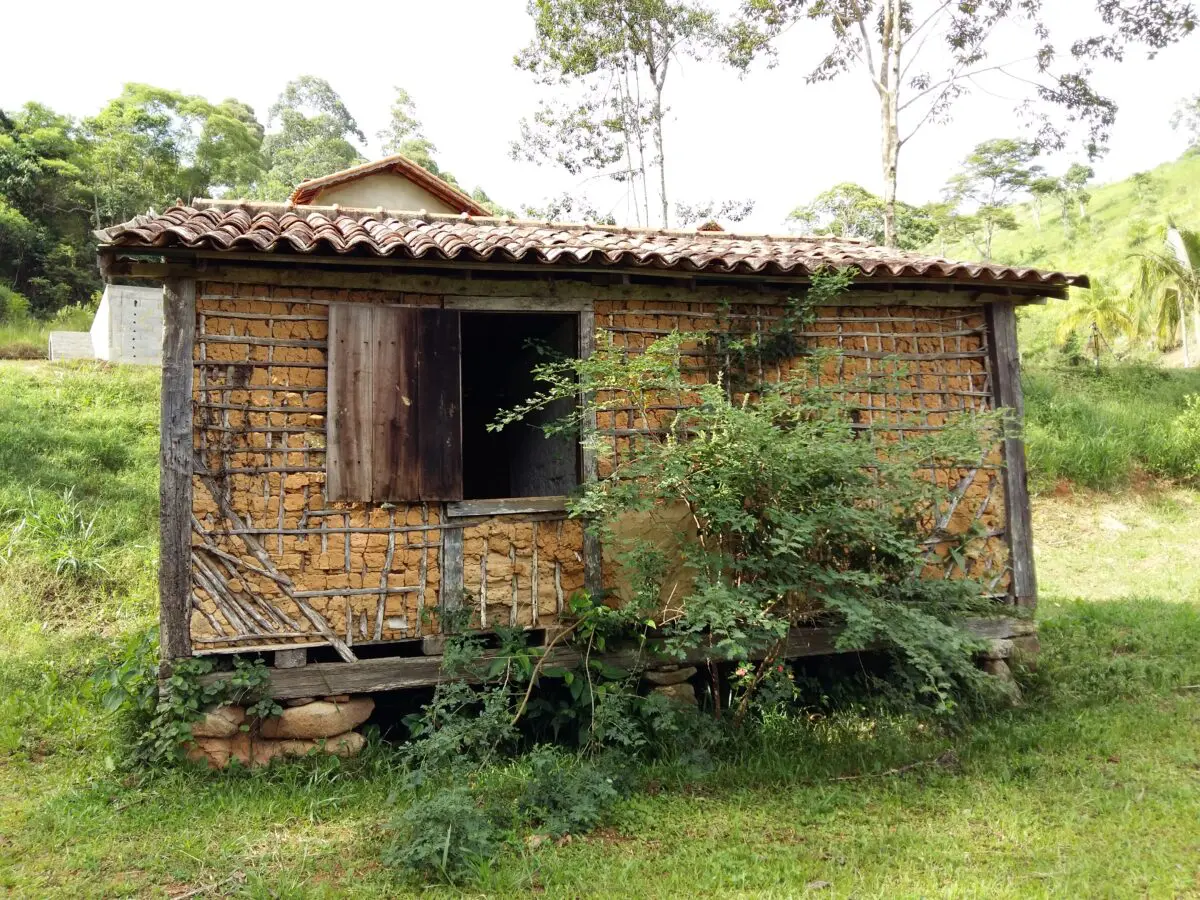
(175, 459)
(1006, 390)
(593, 554)
(450, 589)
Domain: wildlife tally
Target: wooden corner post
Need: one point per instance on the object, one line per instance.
(593, 554)
(1006, 391)
(175, 460)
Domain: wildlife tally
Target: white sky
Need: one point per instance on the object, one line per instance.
(768, 136)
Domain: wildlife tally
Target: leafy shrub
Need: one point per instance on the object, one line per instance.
(795, 522)
(1186, 427)
(566, 794)
(14, 307)
(62, 533)
(443, 835)
(462, 727)
(75, 316)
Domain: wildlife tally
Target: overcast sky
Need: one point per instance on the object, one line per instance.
(768, 136)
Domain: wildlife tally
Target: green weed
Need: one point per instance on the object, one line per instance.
(1102, 429)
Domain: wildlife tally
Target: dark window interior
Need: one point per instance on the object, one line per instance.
(499, 351)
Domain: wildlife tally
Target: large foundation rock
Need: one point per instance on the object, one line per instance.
(222, 722)
(321, 719)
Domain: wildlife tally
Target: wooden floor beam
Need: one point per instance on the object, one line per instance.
(368, 676)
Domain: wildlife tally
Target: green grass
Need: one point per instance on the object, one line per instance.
(1091, 788)
(29, 337)
(1105, 429)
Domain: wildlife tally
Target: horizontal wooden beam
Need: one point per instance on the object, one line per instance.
(501, 507)
(423, 276)
(401, 673)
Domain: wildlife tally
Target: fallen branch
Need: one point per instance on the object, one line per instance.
(945, 759)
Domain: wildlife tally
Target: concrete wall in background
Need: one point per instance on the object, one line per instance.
(128, 325)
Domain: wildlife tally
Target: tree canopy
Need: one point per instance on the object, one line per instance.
(921, 56)
(850, 210)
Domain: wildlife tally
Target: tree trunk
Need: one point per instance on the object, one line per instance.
(662, 158)
(663, 161)
(1183, 333)
(889, 98)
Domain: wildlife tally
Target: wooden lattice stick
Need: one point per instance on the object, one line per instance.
(216, 626)
(230, 611)
(233, 563)
(264, 559)
(217, 585)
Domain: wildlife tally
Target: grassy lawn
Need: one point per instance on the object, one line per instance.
(1090, 788)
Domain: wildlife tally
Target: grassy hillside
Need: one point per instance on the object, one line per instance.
(1122, 217)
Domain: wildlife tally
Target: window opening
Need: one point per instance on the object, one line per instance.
(499, 350)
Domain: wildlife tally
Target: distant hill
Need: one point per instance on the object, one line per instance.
(1121, 217)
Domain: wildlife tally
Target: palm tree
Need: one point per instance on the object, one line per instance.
(1102, 312)
(1168, 286)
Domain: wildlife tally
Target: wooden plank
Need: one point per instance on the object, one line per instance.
(291, 659)
(1006, 385)
(175, 485)
(400, 673)
(450, 590)
(393, 422)
(439, 405)
(507, 506)
(593, 553)
(562, 302)
(348, 459)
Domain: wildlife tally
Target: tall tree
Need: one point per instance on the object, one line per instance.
(405, 135)
(893, 43)
(149, 146)
(850, 210)
(1186, 118)
(712, 211)
(1099, 315)
(46, 247)
(1074, 187)
(991, 177)
(1040, 189)
(314, 135)
(610, 50)
(1168, 286)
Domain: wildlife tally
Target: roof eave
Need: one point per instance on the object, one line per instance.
(196, 260)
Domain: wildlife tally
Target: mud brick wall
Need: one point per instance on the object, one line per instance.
(521, 572)
(275, 564)
(273, 560)
(906, 369)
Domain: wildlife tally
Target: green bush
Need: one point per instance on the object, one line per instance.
(566, 794)
(14, 307)
(443, 835)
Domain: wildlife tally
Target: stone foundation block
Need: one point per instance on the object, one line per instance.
(222, 722)
(664, 677)
(321, 719)
(683, 693)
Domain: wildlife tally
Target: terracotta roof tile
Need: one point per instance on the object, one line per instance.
(280, 228)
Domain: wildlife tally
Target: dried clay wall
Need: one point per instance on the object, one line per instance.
(276, 564)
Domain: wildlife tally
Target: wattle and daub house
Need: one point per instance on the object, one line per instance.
(330, 365)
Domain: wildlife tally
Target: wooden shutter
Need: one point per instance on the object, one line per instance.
(394, 430)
